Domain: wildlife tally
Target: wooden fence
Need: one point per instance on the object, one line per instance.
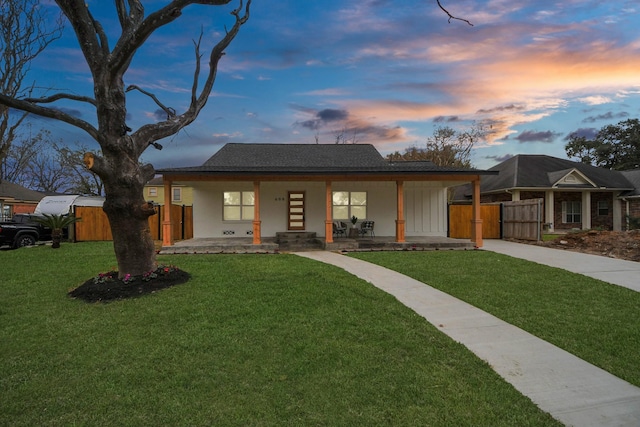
(95, 225)
(522, 219)
(460, 217)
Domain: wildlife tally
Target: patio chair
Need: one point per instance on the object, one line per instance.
(339, 229)
(367, 227)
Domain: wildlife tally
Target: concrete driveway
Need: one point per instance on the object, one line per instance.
(616, 271)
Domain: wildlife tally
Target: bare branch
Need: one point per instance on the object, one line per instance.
(451, 16)
(161, 130)
(102, 36)
(58, 96)
(140, 31)
(170, 111)
(196, 72)
(51, 113)
(123, 17)
(95, 164)
(78, 15)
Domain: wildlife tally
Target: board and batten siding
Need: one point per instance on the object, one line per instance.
(425, 209)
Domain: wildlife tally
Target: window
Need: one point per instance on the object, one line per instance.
(349, 203)
(153, 191)
(238, 205)
(571, 212)
(603, 208)
(176, 194)
(5, 212)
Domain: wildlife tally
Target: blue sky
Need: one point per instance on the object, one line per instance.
(386, 72)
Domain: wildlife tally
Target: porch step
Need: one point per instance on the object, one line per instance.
(298, 241)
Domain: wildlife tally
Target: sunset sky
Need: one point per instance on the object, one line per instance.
(386, 72)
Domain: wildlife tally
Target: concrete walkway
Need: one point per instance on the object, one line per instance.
(611, 270)
(570, 389)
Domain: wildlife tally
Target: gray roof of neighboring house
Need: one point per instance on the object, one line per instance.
(634, 178)
(155, 181)
(541, 171)
(308, 159)
(11, 191)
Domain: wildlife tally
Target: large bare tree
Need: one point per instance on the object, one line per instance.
(25, 31)
(119, 167)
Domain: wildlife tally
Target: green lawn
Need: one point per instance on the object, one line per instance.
(251, 340)
(592, 319)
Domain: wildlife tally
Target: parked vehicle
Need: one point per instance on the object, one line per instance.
(22, 230)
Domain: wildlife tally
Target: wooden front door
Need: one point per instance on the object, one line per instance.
(296, 210)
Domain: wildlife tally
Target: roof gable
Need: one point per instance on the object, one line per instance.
(569, 178)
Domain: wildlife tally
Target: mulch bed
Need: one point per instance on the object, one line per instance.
(107, 287)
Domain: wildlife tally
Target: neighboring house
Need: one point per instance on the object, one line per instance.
(180, 194)
(575, 195)
(15, 199)
(631, 199)
(261, 189)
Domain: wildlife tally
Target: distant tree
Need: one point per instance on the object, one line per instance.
(25, 31)
(614, 146)
(42, 164)
(108, 57)
(447, 147)
(80, 180)
(14, 167)
(345, 136)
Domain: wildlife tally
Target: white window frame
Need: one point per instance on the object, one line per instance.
(153, 192)
(246, 209)
(569, 211)
(174, 191)
(603, 205)
(352, 209)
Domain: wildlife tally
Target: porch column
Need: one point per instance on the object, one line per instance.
(257, 239)
(549, 216)
(617, 213)
(328, 222)
(167, 226)
(400, 223)
(476, 221)
(515, 195)
(586, 210)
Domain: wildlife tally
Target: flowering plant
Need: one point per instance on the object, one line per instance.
(112, 275)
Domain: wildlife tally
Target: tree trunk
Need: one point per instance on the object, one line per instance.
(132, 242)
(128, 212)
(56, 238)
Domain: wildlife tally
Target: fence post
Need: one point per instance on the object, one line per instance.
(182, 223)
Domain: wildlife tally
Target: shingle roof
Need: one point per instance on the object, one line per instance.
(634, 178)
(9, 190)
(307, 159)
(284, 156)
(541, 171)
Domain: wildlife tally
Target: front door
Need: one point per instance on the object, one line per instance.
(296, 210)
